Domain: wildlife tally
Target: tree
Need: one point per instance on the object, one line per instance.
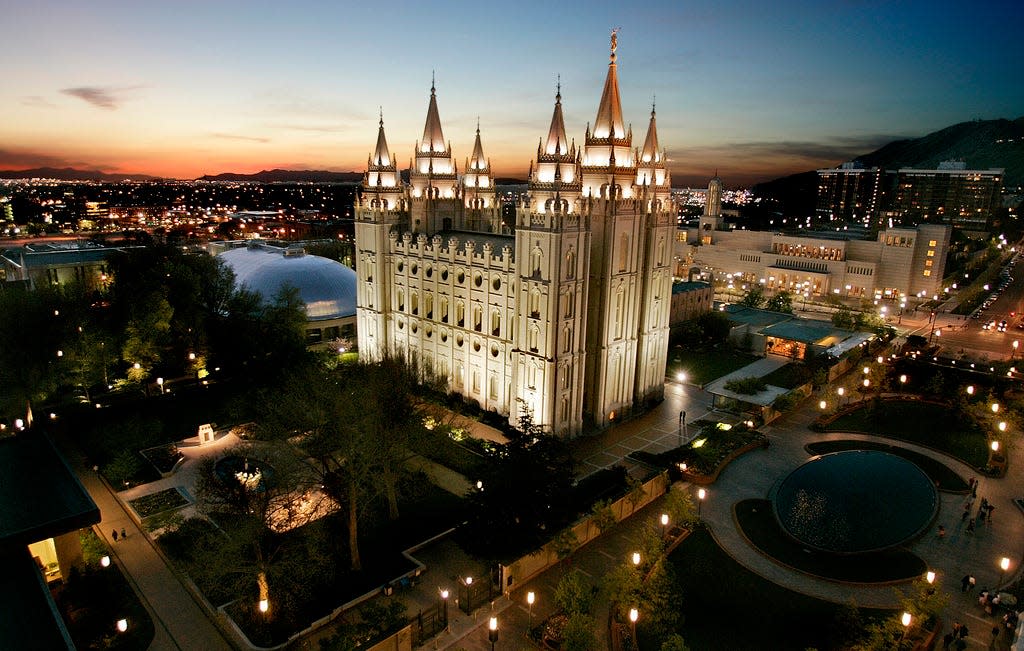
(32, 332)
(602, 516)
(526, 493)
(781, 302)
(754, 297)
(679, 506)
(574, 595)
(843, 318)
(675, 642)
(565, 543)
(578, 634)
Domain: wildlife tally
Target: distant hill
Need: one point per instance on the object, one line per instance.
(71, 174)
(981, 144)
(289, 176)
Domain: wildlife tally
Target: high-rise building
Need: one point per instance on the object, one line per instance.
(850, 192)
(950, 194)
(566, 318)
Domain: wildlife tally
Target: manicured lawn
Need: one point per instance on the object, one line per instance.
(937, 426)
(703, 366)
(938, 472)
(759, 525)
(726, 606)
(789, 376)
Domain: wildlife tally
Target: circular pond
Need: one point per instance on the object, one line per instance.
(250, 473)
(855, 501)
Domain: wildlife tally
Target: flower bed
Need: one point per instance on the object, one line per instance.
(163, 457)
(707, 455)
(165, 500)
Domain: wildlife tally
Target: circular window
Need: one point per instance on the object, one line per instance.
(476, 346)
(460, 278)
(496, 283)
(429, 332)
(401, 266)
(494, 351)
(401, 324)
(429, 271)
(444, 273)
(458, 341)
(478, 280)
(414, 328)
(444, 335)
(414, 269)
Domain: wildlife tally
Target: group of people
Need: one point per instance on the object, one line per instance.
(985, 508)
(955, 638)
(124, 534)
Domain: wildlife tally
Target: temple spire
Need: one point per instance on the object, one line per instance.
(651, 153)
(556, 142)
(609, 113)
(477, 161)
(433, 138)
(381, 155)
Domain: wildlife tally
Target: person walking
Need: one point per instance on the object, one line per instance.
(964, 584)
(114, 535)
(124, 534)
(970, 526)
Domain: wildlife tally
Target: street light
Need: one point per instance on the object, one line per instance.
(930, 577)
(1015, 345)
(160, 382)
(634, 615)
(122, 625)
(530, 598)
(664, 523)
(840, 391)
(995, 446)
(444, 601)
(701, 494)
(105, 561)
(681, 377)
(970, 389)
(995, 407)
(1002, 426)
(822, 405)
(905, 619)
(636, 559)
(1004, 564)
(492, 631)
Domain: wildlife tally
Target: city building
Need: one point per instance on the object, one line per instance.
(896, 262)
(690, 299)
(57, 263)
(951, 194)
(850, 192)
(327, 288)
(44, 507)
(566, 318)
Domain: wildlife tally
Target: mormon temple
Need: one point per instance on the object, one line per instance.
(566, 315)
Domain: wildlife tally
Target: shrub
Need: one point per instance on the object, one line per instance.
(746, 386)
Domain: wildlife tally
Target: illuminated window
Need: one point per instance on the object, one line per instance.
(495, 322)
(931, 254)
(928, 263)
(535, 303)
(932, 243)
(927, 272)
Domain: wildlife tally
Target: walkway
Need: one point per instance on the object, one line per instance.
(181, 624)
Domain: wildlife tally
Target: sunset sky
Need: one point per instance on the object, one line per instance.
(753, 89)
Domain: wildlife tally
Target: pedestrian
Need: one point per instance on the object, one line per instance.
(942, 531)
(115, 535)
(981, 516)
(970, 526)
(971, 581)
(990, 509)
(124, 534)
(963, 631)
(947, 640)
(995, 634)
(964, 584)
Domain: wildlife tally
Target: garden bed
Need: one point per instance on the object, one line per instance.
(935, 425)
(154, 503)
(707, 455)
(758, 524)
(163, 457)
(707, 365)
(726, 606)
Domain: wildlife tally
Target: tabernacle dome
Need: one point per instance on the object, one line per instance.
(328, 288)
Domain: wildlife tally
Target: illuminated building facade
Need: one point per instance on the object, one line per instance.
(850, 193)
(951, 194)
(566, 318)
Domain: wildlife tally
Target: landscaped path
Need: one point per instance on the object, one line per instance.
(179, 621)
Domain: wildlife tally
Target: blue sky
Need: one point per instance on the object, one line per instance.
(753, 89)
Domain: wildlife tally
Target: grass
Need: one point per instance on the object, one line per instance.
(705, 453)
(154, 503)
(703, 366)
(938, 426)
(758, 523)
(726, 606)
(789, 376)
(937, 471)
(439, 447)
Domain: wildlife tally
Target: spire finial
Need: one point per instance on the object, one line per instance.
(615, 42)
(432, 89)
(558, 88)
(478, 125)
(654, 102)
(381, 115)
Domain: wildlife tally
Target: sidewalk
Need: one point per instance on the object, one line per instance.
(180, 623)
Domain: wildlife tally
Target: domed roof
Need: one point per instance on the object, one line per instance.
(328, 288)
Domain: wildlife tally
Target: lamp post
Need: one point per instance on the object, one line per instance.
(995, 446)
(701, 494)
(1015, 345)
(122, 625)
(905, 619)
(160, 383)
(492, 631)
(664, 524)
(1004, 564)
(903, 382)
(682, 426)
(840, 391)
(636, 559)
(930, 577)
(634, 615)
(444, 606)
(995, 407)
(530, 598)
